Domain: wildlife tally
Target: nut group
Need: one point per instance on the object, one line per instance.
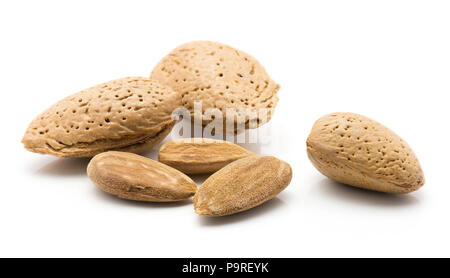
(113, 121)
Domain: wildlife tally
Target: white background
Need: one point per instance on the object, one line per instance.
(388, 60)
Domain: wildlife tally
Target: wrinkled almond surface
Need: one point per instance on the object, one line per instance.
(200, 155)
(134, 177)
(128, 114)
(355, 150)
(242, 185)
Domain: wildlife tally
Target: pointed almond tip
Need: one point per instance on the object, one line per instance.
(28, 144)
(201, 211)
(25, 140)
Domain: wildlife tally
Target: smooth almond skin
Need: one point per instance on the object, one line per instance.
(130, 114)
(242, 185)
(357, 151)
(200, 155)
(134, 177)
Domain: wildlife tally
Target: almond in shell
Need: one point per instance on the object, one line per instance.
(221, 77)
(129, 114)
(357, 151)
